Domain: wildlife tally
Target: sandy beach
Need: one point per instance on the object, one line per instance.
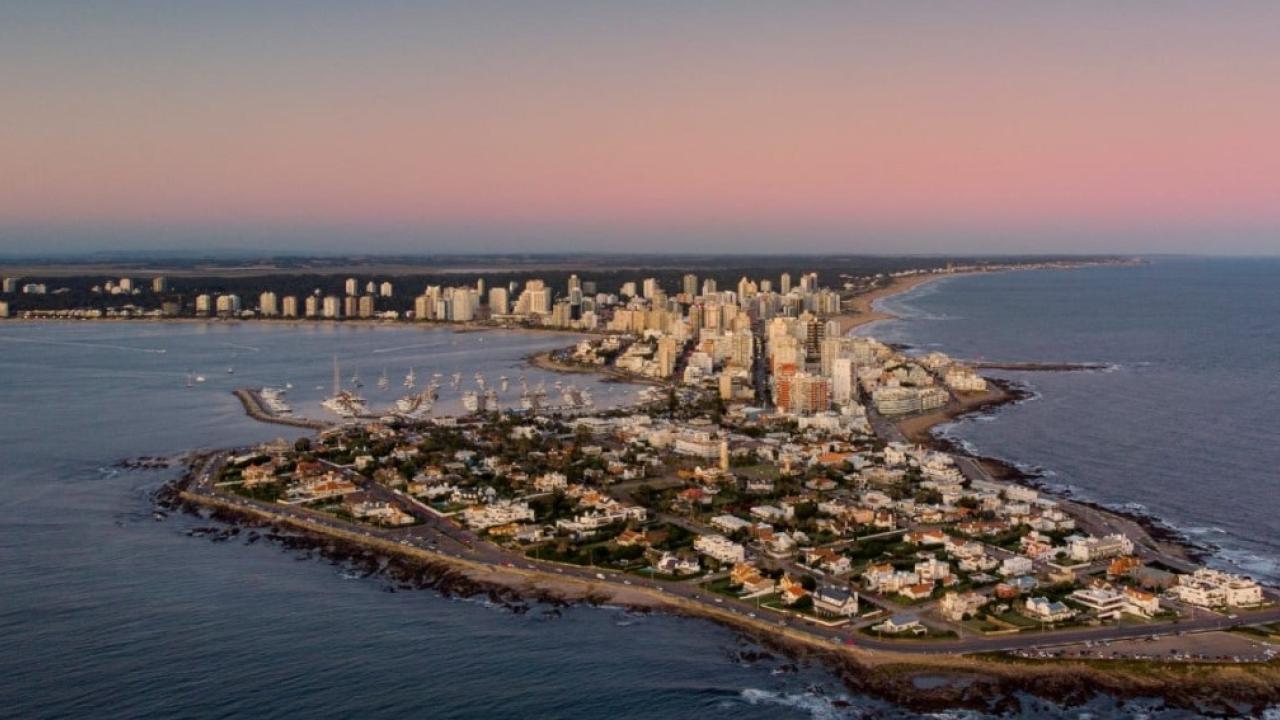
(863, 309)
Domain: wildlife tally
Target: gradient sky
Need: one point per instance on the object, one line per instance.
(696, 125)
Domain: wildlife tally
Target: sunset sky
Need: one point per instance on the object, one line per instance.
(687, 126)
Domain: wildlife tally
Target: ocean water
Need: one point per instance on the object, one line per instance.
(1181, 425)
(108, 612)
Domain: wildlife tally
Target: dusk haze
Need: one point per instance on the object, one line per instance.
(872, 127)
(639, 360)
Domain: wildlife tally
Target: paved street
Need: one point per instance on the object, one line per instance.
(436, 534)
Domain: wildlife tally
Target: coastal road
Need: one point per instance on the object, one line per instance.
(437, 534)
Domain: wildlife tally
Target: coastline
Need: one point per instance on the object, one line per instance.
(977, 681)
(862, 309)
(457, 327)
(545, 360)
(922, 429)
(918, 682)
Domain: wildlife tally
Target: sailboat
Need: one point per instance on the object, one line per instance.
(383, 381)
(411, 380)
(343, 402)
(191, 379)
(355, 380)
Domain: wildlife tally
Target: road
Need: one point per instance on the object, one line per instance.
(438, 535)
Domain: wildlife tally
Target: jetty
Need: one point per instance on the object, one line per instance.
(1037, 366)
(258, 410)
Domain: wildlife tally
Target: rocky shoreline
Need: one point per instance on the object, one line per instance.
(982, 683)
(1013, 393)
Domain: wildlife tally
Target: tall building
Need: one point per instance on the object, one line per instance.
(784, 285)
(159, 284)
(689, 285)
(227, 304)
(809, 282)
(462, 305)
(126, 285)
(498, 303)
(204, 304)
(11, 285)
(289, 306)
(267, 304)
(350, 306)
(574, 284)
(844, 380)
(651, 287)
(311, 306)
(332, 307)
(801, 393)
(709, 286)
(353, 286)
(561, 314)
(535, 300)
(4, 309)
(365, 308)
(384, 289)
(665, 357)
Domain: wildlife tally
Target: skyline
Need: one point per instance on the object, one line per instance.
(487, 127)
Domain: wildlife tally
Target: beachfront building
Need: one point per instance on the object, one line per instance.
(720, 548)
(1099, 548)
(1103, 601)
(1046, 610)
(1214, 588)
(835, 602)
(482, 517)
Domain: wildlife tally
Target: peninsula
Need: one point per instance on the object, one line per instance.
(778, 476)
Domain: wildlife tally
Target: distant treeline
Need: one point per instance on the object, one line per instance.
(409, 276)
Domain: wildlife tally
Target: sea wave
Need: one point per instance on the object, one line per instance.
(819, 707)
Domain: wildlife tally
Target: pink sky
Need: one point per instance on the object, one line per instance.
(1093, 117)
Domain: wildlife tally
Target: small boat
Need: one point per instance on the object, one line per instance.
(199, 378)
(231, 371)
(502, 383)
(190, 380)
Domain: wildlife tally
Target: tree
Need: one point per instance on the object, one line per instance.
(302, 444)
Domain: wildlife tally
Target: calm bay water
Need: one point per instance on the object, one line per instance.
(108, 612)
(1182, 426)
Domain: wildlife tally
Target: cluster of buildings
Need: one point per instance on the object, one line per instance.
(759, 468)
